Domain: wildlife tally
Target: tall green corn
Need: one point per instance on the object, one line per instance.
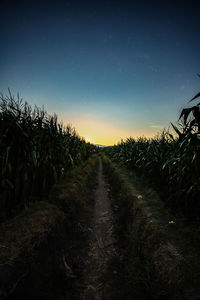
(35, 152)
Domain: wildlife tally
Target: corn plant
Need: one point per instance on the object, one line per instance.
(35, 152)
(169, 162)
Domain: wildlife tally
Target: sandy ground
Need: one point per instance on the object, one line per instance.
(101, 243)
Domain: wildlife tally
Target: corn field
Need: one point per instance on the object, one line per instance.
(171, 162)
(35, 152)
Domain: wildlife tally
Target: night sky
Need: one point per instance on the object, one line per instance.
(112, 69)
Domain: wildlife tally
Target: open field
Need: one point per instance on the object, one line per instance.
(80, 221)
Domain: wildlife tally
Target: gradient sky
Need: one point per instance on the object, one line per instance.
(112, 69)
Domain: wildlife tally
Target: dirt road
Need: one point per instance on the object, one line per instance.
(101, 244)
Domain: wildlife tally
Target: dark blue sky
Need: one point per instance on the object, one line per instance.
(110, 68)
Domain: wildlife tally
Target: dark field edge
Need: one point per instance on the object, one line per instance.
(150, 263)
(42, 249)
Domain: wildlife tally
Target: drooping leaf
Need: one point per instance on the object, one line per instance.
(185, 113)
(34, 158)
(176, 129)
(71, 159)
(196, 96)
(194, 156)
(196, 114)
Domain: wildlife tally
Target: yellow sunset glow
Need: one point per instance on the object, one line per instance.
(103, 133)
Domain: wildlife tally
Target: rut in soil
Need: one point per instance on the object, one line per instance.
(101, 243)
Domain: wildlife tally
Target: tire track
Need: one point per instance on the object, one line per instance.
(101, 243)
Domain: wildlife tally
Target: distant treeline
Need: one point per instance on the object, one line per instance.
(35, 152)
(169, 162)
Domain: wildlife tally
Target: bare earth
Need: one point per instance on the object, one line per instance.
(101, 244)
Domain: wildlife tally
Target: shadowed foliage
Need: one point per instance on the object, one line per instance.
(169, 162)
(35, 152)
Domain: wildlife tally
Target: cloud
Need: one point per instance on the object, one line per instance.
(156, 126)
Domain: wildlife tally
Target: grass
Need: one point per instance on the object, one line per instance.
(157, 260)
(24, 233)
(34, 243)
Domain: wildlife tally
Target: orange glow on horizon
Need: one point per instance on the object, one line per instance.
(102, 133)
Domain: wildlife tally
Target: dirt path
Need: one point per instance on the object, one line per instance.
(101, 244)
